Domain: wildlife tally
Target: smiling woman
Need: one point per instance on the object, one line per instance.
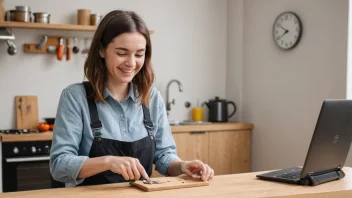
(111, 53)
(113, 127)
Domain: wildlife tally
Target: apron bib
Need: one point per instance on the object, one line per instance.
(142, 149)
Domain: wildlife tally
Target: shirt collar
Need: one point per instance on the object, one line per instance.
(131, 93)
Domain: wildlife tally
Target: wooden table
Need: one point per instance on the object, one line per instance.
(236, 185)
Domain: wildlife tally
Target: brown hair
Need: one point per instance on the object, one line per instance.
(112, 25)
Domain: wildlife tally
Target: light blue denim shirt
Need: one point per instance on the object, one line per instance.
(73, 137)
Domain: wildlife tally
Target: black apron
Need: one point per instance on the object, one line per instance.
(142, 149)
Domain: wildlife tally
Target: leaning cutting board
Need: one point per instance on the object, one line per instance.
(167, 183)
(26, 112)
(2, 11)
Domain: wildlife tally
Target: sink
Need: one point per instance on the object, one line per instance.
(187, 122)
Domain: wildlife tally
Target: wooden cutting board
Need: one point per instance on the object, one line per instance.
(26, 112)
(168, 183)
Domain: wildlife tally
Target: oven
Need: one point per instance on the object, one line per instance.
(25, 166)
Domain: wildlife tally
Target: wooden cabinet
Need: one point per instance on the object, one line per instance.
(225, 147)
(192, 145)
(229, 151)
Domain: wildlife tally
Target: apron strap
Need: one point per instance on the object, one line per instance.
(148, 121)
(95, 123)
(94, 116)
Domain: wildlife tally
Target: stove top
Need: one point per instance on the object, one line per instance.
(26, 148)
(18, 131)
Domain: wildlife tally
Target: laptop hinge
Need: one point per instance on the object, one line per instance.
(313, 179)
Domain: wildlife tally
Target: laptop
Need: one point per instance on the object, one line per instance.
(328, 148)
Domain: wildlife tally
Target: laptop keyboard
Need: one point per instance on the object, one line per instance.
(290, 175)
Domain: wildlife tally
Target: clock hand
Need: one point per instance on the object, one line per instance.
(282, 27)
(286, 31)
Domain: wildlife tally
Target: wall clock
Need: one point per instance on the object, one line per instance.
(287, 30)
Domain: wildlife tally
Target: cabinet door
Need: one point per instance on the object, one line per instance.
(229, 151)
(190, 146)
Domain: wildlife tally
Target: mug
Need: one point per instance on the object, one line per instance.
(197, 114)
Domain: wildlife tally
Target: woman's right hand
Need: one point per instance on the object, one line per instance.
(130, 168)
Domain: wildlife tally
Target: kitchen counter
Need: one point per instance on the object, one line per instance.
(212, 127)
(235, 185)
(175, 129)
(27, 137)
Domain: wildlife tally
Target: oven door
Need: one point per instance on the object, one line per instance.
(27, 173)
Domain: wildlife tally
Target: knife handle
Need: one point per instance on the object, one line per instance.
(60, 50)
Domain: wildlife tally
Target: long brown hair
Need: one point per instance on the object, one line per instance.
(112, 25)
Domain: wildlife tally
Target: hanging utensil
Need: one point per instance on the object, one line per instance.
(12, 49)
(68, 51)
(51, 49)
(75, 48)
(42, 42)
(60, 49)
(86, 48)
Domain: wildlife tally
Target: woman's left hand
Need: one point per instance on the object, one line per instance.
(192, 167)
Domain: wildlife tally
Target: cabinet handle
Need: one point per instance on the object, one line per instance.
(197, 132)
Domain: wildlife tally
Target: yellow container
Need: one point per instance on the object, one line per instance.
(197, 114)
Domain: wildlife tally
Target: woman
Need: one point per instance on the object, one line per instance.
(114, 127)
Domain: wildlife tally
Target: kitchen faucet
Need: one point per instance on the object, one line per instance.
(168, 103)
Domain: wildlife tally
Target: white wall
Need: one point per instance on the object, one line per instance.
(234, 74)
(189, 44)
(282, 92)
(349, 54)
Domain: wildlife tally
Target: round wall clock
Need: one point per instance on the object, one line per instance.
(287, 30)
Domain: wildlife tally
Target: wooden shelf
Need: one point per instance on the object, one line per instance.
(69, 27)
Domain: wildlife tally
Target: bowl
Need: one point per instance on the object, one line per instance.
(49, 120)
(41, 17)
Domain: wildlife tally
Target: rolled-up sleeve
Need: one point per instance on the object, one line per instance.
(165, 145)
(65, 163)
